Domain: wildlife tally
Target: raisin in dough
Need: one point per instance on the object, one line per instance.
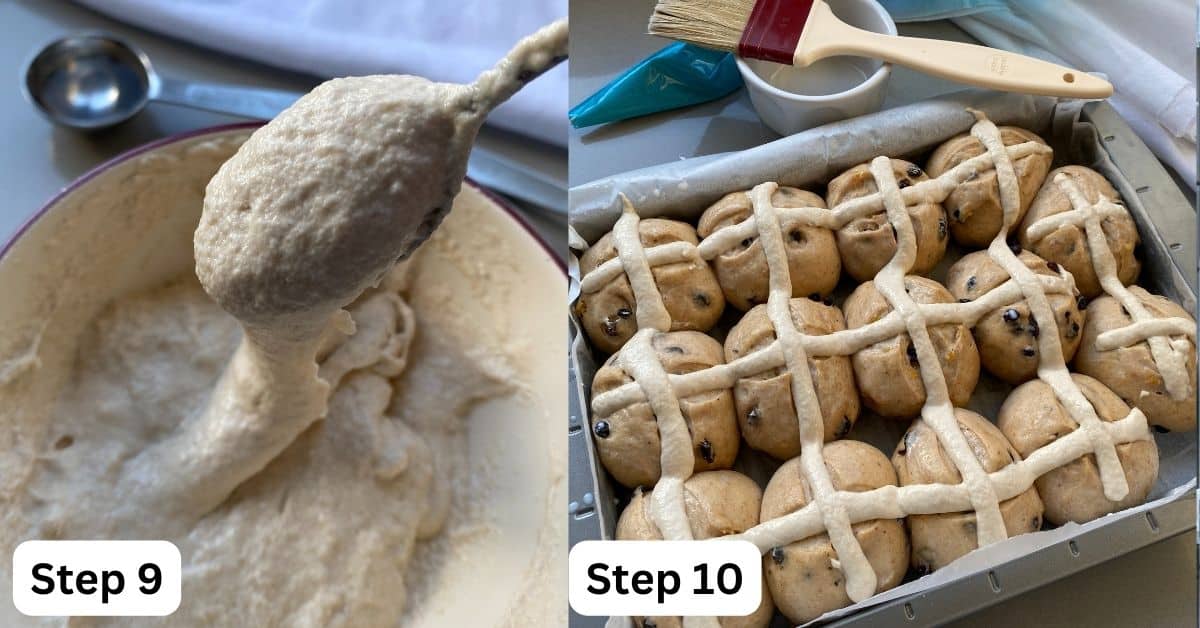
(628, 439)
(888, 373)
(689, 289)
(1032, 417)
(802, 576)
(718, 503)
(867, 244)
(1007, 337)
(1131, 371)
(973, 208)
(813, 263)
(1068, 245)
(939, 539)
(765, 410)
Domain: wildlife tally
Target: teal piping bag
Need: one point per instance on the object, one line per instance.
(676, 76)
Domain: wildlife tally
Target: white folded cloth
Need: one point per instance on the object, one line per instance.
(444, 41)
(1146, 49)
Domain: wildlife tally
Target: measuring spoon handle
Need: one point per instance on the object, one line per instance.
(247, 102)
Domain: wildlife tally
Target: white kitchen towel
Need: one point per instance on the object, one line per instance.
(444, 40)
(1146, 49)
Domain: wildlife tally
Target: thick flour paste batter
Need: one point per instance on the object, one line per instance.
(322, 535)
(299, 458)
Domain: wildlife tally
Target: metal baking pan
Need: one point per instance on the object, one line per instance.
(1166, 222)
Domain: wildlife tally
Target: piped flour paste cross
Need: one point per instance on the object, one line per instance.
(832, 511)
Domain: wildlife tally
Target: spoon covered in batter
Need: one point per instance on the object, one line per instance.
(312, 210)
(321, 201)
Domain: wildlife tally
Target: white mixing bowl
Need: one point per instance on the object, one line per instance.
(101, 239)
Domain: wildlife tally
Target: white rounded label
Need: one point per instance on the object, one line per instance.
(113, 578)
(680, 578)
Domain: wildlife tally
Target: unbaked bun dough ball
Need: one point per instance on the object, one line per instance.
(939, 539)
(813, 263)
(765, 410)
(1007, 337)
(803, 580)
(1068, 244)
(974, 208)
(628, 440)
(689, 289)
(867, 244)
(888, 372)
(1131, 371)
(718, 503)
(1032, 417)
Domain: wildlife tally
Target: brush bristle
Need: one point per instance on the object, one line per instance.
(714, 24)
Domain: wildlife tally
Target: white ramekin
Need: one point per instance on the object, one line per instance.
(787, 113)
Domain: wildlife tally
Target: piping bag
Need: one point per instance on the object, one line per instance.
(677, 76)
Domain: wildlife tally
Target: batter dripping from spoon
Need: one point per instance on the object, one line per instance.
(312, 212)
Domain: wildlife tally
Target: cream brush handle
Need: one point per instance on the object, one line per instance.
(825, 36)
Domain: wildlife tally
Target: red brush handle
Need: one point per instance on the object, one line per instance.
(774, 29)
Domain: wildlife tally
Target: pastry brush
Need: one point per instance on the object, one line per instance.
(799, 32)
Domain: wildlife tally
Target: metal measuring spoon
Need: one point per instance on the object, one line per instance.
(92, 81)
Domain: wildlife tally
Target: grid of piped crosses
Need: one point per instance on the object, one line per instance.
(832, 511)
